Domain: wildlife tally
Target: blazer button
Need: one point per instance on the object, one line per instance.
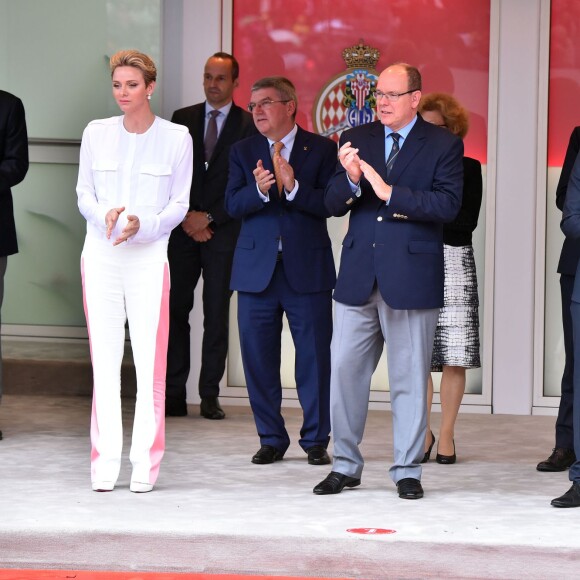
(380, 219)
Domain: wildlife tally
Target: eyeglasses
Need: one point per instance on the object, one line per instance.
(392, 97)
(265, 104)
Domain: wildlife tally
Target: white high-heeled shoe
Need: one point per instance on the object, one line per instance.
(138, 487)
(103, 485)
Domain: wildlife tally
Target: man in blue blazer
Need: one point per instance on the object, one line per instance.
(570, 225)
(563, 456)
(13, 168)
(283, 264)
(401, 178)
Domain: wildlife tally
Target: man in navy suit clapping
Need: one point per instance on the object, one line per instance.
(400, 178)
(283, 263)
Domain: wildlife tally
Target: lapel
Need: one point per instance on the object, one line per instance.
(198, 125)
(263, 151)
(414, 142)
(377, 144)
(300, 150)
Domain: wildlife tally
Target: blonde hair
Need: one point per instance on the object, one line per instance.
(455, 116)
(137, 60)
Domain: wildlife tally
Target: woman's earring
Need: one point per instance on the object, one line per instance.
(149, 97)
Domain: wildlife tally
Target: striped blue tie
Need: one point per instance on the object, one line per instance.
(394, 152)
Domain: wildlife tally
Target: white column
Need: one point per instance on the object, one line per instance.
(515, 212)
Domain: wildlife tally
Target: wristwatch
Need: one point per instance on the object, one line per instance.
(209, 217)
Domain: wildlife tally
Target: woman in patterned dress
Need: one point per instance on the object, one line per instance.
(456, 346)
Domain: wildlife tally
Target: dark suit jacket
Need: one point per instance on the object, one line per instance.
(13, 165)
(208, 186)
(460, 231)
(301, 223)
(570, 255)
(400, 245)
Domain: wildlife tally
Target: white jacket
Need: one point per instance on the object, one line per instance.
(149, 173)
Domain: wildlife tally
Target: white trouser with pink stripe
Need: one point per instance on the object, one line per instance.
(127, 282)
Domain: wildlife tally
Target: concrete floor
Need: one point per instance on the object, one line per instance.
(488, 516)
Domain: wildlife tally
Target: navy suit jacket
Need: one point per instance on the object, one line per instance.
(13, 165)
(400, 245)
(300, 223)
(570, 255)
(570, 223)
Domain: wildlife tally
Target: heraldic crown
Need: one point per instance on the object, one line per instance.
(361, 56)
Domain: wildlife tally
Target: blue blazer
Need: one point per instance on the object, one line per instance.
(570, 223)
(300, 224)
(570, 255)
(400, 245)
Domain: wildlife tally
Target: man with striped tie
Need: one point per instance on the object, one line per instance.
(400, 178)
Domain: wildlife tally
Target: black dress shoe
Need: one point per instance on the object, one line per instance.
(318, 455)
(175, 407)
(428, 452)
(446, 459)
(210, 408)
(334, 483)
(409, 488)
(267, 454)
(560, 460)
(570, 499)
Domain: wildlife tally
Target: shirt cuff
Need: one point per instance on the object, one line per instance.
(264, 198)
(354, 188)
(290, 195)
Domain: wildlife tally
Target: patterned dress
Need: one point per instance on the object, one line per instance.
(457, 335)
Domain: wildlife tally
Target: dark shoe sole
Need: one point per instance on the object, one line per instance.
(278, 457)
(354, 483)
(558, 504)
(414, 496)
(213, 417)
(410, 490)
(324, 461)
(445, 459)
(547, 468)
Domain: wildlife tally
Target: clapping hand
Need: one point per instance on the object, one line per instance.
(382, 190)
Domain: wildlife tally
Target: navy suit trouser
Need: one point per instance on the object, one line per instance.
(564, 431)
(574, 474)
(260, 325)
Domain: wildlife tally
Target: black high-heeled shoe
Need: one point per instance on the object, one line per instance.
(428, 452)
(446, 459)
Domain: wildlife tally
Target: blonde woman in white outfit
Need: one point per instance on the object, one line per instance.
(133, 189)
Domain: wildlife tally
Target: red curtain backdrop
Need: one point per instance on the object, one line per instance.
(304, 39)
(564, 92)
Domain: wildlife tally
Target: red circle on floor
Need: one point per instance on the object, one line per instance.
(370, 531)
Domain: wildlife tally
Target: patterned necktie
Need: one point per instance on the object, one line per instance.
(278, 146)
(394, 152)
(211, 135)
